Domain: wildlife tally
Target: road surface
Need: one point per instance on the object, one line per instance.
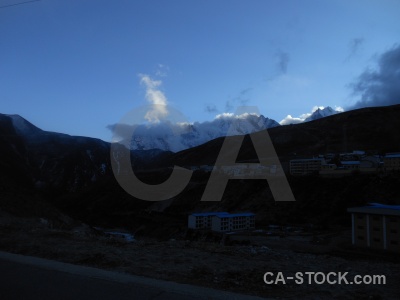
(26, 277)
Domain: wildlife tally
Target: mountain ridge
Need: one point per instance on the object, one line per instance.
(321, 113)
(68, 172)
(177, 137)
(71, 163)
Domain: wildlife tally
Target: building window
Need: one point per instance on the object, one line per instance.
(393, 231)
(361, 238)
(377, 240)
(394, 242)
(360, 217)
(375, 218)
(360, 227)
(377, 229)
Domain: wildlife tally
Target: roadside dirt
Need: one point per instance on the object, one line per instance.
(238, 268)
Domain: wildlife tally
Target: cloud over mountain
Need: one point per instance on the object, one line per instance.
(317, 112)
(155, 97)
(175, 137)
(381, 86)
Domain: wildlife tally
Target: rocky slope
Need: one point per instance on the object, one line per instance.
(74, 173)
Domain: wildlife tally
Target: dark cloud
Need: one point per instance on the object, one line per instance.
(354, 47)
(244, 96)
(380, 87)
(211, 108)
(283, 61)
(241, 99)
(120, 130)
(228, 105)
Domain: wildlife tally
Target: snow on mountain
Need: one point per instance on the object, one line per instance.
(176, 137)
(321, 113)
(316, 113)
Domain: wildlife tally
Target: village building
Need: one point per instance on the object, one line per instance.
(350, 164)
(306, 166)
(202, 220)
(233, 222)
(376, 226)
(370, 161)
(248, 170)
(206, 168)
(328, 167)
(221, 221)
(391, 161)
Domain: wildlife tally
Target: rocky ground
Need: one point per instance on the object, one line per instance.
(238, 267)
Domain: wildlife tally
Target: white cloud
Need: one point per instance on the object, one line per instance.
(156, 98)
(228, 115)
(224, 115)
(300, 119)
(291, 120)
(339, 108)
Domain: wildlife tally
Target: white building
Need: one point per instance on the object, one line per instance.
(376, 226)
(202, 220)
(391, 161)
(233, 222)
(306, 166)
(221, 221)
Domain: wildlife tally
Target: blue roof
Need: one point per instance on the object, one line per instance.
(223, 214)
(236, 215)
(392, 156)
(206, 214)
(350, 162)
(377, 208)
(386, 206)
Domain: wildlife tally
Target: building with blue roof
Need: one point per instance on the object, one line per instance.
(391, 161)
(222, 221)
(233, 222)
(376, 226)
(202, 220)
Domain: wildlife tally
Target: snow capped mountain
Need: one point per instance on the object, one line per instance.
(176, 137)
(167, 136)
(321, 113)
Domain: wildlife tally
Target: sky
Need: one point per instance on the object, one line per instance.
(77, 66)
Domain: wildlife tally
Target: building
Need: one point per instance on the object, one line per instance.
(372, 161)
(376, 226)
(233, 222)
(355, 155)
(328, 167)
(391, 161)
(221, 221)
(202, 220)
(248, 170)
(350, 164)
(306, 166)
(237, 170)
(206, 168)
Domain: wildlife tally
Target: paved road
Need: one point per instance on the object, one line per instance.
(25, 277)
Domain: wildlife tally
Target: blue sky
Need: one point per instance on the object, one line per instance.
(77, 66)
